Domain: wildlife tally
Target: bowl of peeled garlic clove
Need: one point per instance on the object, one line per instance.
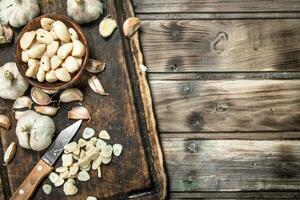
(51, 52)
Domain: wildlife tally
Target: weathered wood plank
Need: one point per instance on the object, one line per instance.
(232, 165)
(221, 45)
(227, 105)
(2, 196)
(208, 6)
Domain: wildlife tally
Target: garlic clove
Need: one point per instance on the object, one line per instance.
(59, 182)
(47, 188)
(81, 142)
(67, 160)
(64, 50)
(22, 102)
(53, 34)
(73, 34)
(53, 177)
(43, 36)
(70, 189)
(74, 168)
(61, 31)
(6, 34)
(52, 48)
(78, 49)
(107, 27)
(25, 56)
(51, 77)
(46, 110)
(41, 75)
(96, 86)
(61, 169)
(71, 180)
(36, 51)
(47, 23)
(83, 176)
(79, 112)
(50, 91)
(5, 122)
(104, 135)
(65, 175)
(10, 152)
(88, 133)
(33, 67)
(40, 97)
(45, 63)
(55, 62)
(95, 66)
(107, 151)
(70, 95)
(131, 25)
(27, 39)
(63, 75)
(71, 64)
(84, 162)
(71, 146)
(117, 149)
(100, 143)
(79, 60)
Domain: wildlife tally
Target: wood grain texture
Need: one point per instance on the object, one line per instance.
(221, 45)
(208, 6)
(232, 165)
(2, 196)
(227, 106)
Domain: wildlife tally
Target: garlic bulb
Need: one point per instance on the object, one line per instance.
(18, 12)
(35, 131)
(12, 84)
(84, 11)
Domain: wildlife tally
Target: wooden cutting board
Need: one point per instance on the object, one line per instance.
(126, 114)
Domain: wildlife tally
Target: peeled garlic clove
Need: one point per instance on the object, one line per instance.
(71, 64)
(40, 97)
(106, 152)
(25, 56)
(83, 176)
(52, 48)
(37, 51)
(117, 149)
(96, 86)
(45, 63)
(84, 162)
(79, 112)
(63, 75)
(78, 49)
(33, 67)
(67, 160)
(47, 188)
(43, 36)
(73, 34)
(41, 75)
(70, 189)
(91, 198)
(10, 152)
(47, 23)
(131, 25)
(27, 39)
(79, 60)
(88, 133)
(61, 31)
(64, 50)
(51, 77)
(59, 182)
(53, 177)
(22, 102)
(74, 168)
(107, 27)
(46, 110)
(95, 66)
(55, 62)
(104, 135)
(53, 34)
(71, 94)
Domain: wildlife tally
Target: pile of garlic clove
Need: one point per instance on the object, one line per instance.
(79, 157)
(52, 52)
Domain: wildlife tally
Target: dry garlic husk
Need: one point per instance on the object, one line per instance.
(47, 188)
(95, 66)
(22, 102)
(107, 27)
(10, 152)
(18, 12)
(4, 122)
(131, 25)
(12, 84)
(6, 34)
(96, 86)
(35, 131)
(79, 112)
(40, 97)
(70, 95)
(84, 11)
(46, 110)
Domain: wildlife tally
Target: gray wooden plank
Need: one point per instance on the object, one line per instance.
(227, 105)
(221, 45)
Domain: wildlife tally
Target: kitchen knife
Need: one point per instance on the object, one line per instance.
(44, 166)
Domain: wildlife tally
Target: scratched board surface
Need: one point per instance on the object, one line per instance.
(127, 174)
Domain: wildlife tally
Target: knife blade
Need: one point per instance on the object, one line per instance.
(44, 166)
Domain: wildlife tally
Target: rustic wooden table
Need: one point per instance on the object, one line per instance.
(225, 82)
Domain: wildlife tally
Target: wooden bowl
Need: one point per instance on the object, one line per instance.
(34, 25)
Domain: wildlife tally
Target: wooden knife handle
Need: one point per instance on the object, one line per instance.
(32, 181)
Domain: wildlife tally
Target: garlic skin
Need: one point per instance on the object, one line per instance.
(5, 122)
(84, 11)
(35, 131)
(10, 152)
(18, 13)
(12, 84)
(96, 86)
(6, 34)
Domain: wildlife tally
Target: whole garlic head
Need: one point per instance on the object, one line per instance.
(84, 11)
(35, 131)
(18, 12)
(12, 84)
